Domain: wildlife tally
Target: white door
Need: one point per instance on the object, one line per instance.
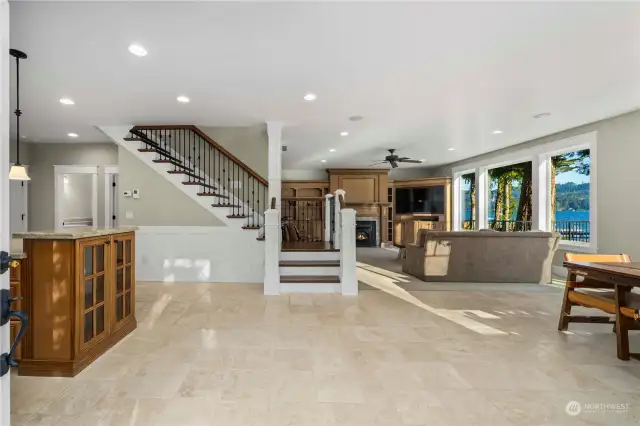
(18, 206)
(5, 239)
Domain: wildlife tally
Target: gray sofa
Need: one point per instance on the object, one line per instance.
(496, 257)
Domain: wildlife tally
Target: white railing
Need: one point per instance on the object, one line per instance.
(272, 237)
(348, 272)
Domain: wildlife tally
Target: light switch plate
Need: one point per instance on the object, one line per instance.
(126, 193)
(136, 193)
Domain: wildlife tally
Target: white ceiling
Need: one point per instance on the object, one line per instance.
(425, 76)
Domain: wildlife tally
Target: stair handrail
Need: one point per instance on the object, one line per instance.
(207, 138)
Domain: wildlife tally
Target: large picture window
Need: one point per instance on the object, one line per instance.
(549, 187)
(509, 207)
(570, 195)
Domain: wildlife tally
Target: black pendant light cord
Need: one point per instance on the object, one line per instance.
(18, 55)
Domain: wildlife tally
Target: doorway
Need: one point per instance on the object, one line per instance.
(76, 196)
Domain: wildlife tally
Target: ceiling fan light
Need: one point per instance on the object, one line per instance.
(18, 172)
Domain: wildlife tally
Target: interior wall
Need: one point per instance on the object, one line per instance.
(41, 159)
(618, 176)
(297, 174)
(160, 202)
(248, 144)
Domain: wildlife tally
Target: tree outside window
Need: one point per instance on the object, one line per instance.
(510, 197)
(468, 201)
(569, 194)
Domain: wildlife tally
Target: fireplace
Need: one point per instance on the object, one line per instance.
(366, 233)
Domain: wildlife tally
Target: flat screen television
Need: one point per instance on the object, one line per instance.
(420, 200)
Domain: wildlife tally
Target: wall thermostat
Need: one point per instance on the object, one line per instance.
(126, 193)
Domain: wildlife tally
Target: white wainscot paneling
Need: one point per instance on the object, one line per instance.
(198, 254)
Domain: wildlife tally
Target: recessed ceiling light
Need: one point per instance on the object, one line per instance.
(332, 150)
(542, 114)
(67, 101)
(344, 133)
(23, 136)
(310, 97)
(183, 99)
(137, 50)
(72, 135)
(356, 118)
(422, 160)
(323, 161)
(451, 149)
(497, 132)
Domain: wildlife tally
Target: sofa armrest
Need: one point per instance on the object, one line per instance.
(413, 263)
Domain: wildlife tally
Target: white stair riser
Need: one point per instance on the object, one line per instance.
(309, 270)
(310, 255)
(310, 288)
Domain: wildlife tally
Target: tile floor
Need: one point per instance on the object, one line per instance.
(226, 355)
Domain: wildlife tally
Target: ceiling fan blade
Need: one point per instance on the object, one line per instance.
(407, 160)
(378, 163)
(393, 164)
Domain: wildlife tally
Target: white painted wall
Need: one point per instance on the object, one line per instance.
(5, 235)
(198, 254)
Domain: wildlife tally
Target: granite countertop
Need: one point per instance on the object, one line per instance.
(73, 233)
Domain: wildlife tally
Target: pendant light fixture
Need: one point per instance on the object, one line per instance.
(18, 171)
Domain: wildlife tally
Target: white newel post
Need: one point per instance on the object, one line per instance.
(327, 217)
(336, 219)
(348, 273)
(5, 237)
(272, 252)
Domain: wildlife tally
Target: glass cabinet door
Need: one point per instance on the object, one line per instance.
(124, 253)
(93, 289)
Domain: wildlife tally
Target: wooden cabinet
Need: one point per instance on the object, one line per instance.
(15, 291)
(124, 294)
(92, 310)
(407, 225)
(80, 298)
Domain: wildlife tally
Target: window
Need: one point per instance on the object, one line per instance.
(510, 197)
(549, 187)
(468, 201)
(570, 195)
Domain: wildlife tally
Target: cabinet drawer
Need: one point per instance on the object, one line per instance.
(15, 290)
(15, 272)
(15, 327)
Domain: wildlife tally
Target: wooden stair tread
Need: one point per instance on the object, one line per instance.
(308, 263)
(204, 185)
(319, 279)
(226, 205)
(251, 227)
(212, 194)
(237, 216)
(260, 238)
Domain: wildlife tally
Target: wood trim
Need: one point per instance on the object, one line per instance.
(212, 142)
(310, 182)
(419, 183)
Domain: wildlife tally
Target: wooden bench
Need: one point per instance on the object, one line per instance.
(598, 295)
(605, 284)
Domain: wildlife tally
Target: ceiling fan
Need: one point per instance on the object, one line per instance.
(394, 160)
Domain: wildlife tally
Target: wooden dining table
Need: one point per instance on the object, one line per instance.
(624, 277)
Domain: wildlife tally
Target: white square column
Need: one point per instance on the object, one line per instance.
(274, 133)
(5, 236)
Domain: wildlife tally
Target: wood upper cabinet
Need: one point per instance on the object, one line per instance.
(123, 267)
(94, 261)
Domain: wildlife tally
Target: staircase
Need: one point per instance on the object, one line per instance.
(226, 185)
(310, 270)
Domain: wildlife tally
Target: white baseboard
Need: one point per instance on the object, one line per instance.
(198, 254)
